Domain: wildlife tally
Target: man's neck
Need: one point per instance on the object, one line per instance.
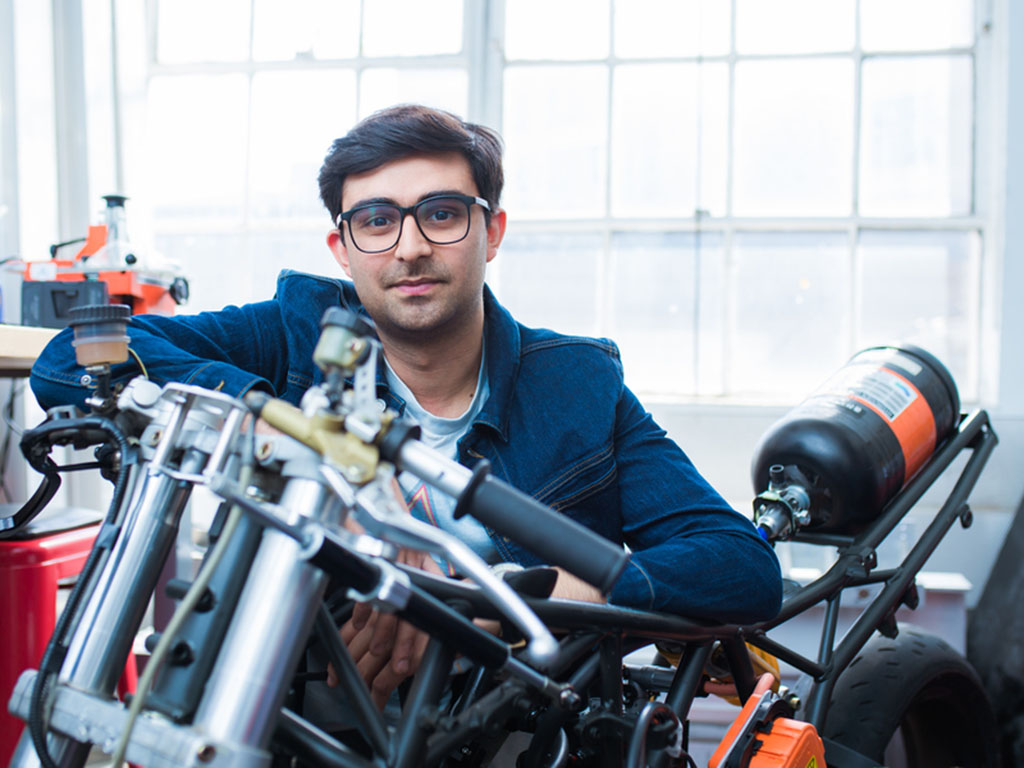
(442, 373)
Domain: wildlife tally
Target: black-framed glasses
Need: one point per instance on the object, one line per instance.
(442, 219)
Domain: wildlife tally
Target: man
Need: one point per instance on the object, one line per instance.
(414, 196)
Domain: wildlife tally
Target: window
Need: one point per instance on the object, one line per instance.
(241, 110)
(739, 193)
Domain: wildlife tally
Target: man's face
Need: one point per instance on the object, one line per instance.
(418, 287)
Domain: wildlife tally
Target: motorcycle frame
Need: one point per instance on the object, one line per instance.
(615, 631)
(428, 731)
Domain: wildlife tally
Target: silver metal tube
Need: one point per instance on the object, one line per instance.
(433, 467)
(116, 605)
(106, 630)
(274, 617)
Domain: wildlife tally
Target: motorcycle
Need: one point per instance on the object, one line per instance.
(236, 677)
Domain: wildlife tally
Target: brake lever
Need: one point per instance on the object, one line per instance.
(379, 512)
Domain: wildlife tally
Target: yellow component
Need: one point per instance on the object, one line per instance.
(325, 433)
(762, 662)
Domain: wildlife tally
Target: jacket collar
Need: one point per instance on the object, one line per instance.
(502, 352)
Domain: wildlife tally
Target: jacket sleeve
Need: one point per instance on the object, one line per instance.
(215, 350)
(691, 553)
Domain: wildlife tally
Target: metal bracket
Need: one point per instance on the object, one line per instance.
(392, 591)
(155, 741)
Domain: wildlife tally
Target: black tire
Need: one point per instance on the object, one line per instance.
(917, 697)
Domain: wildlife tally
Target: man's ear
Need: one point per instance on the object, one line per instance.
(337, 245)
(495, 233)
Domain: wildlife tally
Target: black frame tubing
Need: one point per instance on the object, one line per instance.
(612, 629)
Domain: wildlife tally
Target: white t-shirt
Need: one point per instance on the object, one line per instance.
(429, 504)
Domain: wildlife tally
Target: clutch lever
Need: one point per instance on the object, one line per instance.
(380, 513)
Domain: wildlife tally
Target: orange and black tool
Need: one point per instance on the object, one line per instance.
(764, 735)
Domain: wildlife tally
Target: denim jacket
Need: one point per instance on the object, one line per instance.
(559, 424)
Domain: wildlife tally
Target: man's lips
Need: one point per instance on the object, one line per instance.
(415, 287)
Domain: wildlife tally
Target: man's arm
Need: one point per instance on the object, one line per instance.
(232, 350)
(692, 554)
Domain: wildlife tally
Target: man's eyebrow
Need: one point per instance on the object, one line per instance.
(372, 201)
(391, 201)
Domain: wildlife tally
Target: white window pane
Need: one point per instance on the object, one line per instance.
(794, 26)
(412, 27)
(793, 138)
(550, 281)
(669, 155)
(916, 24)
(556, 138)
(442, 88)
(292, 127)
(792, 311)
(198, 30)
(205, 260)
(99, 98)
(36, 133)
(916, 140)
(681, 29)
(321, 29)
(668, 291)
(922, 288)
(197, 127)
(270, 252)
(556, 29)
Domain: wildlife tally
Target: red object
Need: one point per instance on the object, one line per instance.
(759, 739)
(31, 570)
(145, 294)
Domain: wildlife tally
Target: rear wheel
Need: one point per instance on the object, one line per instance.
(913, 701)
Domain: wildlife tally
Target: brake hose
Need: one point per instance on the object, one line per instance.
(56, 649)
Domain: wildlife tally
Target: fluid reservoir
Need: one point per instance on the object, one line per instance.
(833, 462)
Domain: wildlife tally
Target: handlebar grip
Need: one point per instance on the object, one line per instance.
(558, 539)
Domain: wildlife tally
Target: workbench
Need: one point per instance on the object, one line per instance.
(20, 346)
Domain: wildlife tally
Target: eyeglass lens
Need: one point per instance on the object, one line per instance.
(442, 220)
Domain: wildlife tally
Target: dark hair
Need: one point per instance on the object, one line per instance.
(408, 129)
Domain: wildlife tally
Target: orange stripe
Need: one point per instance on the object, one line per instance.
(914, 428)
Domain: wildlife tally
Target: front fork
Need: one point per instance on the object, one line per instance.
(117, 602)
(267, 633)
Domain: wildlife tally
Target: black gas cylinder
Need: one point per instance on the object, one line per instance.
(857, 440)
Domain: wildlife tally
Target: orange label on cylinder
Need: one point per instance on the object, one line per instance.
(904, 409)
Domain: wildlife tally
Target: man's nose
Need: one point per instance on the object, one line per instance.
(411, 242)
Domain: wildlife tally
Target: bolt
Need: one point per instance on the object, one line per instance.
(206, 753)
(570, 700)
(156, 436)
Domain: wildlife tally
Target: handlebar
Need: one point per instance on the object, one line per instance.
(514, 514)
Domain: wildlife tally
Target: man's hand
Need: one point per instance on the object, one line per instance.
(569, 587)
(385, 649)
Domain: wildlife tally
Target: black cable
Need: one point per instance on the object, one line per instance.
(56, 649)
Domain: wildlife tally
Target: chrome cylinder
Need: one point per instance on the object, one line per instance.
(117, 602)
(268, 631)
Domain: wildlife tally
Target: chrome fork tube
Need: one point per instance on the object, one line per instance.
(117, 603)
(115, 609)
(268, 631)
